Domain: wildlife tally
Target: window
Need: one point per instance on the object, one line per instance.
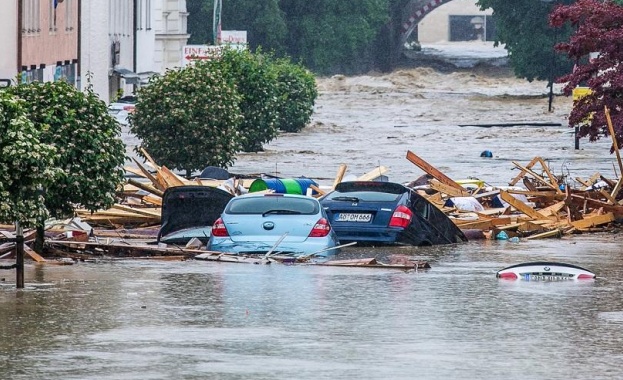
(69, 16)
(31, 17)
(470, 28)
(148, 15)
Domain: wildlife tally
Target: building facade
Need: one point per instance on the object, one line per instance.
(457, 20)
(39, 41)
(171, 33)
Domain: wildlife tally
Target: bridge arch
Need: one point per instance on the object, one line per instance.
(415, 11)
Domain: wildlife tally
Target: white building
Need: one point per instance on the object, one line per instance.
(107, 47)
(125, 42)
(457, 20)
(8, 41)
(171, 33)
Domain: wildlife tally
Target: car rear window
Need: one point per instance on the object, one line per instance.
(261, 205)
(363, 196)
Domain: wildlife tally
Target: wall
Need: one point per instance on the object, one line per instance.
(8, 40)
(171, 33)
(435, 26)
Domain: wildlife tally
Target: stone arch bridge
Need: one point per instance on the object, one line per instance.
(413, 13)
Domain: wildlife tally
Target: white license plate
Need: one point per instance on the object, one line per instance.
(350, 217)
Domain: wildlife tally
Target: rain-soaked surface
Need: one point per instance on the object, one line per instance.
(202, 320)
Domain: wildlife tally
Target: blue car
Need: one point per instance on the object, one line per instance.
(386, 213)
(279, 223)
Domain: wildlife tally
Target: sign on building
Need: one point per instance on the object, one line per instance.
(193, 53)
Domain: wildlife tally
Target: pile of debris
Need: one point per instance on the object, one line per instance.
(544, 208)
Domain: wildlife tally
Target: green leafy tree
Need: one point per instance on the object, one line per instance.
(89, 151)
(334, 36)
(522, 26)
(25, 164)
(296, 94)
(598, 31)
(263, 21)
(256, 84)
(188, 119)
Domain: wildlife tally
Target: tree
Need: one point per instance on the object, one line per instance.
(89, 150)
(598, 31)
(296, 94)
(522, 27)
(334, 36)
(263, 21)
(25, 164)
(256, 84)
(188, 119)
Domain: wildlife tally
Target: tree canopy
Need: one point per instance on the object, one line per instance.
(596, 47)
(25, 164)
(326, 36)
(522, 27)
(196, 124)
(89, 152)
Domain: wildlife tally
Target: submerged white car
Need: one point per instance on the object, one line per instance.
(285, 224)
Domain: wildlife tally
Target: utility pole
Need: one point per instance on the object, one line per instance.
(19, 253)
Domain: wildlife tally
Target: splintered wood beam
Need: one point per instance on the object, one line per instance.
(170, 178)
(520, 206)
(146, 187)
(593, 221)
(150, 176)
(551, 177)
(449, 190)
(374, 173)
(522, 173)
(617, 188)
(614, 140)
(149, 159)
(536, 176)
(430, 169)
(317, 189)
(340, 175)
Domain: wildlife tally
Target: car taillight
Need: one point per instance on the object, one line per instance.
(507, 276)
(219, 229)
(321, 229)
(129, 108)
(401, 217)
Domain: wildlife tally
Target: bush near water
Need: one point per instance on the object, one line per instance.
(206, 113)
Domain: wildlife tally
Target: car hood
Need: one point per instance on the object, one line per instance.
(185, 207)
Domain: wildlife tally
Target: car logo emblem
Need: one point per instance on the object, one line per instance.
(268, 225)
(547, 269)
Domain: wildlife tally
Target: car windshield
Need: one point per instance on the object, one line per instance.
(362, 196)
(273, 205)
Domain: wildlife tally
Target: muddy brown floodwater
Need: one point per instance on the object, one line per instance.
(372, 120)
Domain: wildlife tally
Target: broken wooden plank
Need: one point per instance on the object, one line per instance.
(340, 175)
(593, 221)
(536, 176)
(523, 173)
(548, 234)
(550, 176)
(155, 182)
(170, 178)
(145, 187)
(430, 169)
(449, 190)
(519, 205)
(615, 145)
(374, 173)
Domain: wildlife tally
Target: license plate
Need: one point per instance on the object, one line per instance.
(351, 217)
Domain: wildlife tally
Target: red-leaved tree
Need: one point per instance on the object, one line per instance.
(597, 48)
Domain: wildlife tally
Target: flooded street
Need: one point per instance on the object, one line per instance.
(203, 320)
